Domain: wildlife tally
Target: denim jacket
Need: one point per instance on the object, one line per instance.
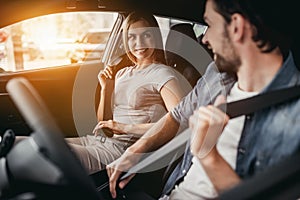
(268, 136)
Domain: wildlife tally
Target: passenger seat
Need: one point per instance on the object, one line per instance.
(185, 53)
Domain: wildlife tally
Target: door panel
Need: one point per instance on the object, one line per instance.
(56, 87)
(10, 117)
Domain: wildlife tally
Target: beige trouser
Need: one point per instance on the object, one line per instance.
(95, 153)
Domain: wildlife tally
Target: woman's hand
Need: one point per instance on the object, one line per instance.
(104, 74)
(207, 124)
(116, 127)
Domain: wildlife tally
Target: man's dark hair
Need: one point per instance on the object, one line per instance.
(269, 18)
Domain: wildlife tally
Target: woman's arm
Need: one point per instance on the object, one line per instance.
(100, 111)
(102, 76)
(172, 94)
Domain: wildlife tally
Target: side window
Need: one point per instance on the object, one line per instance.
(55, 40)
(199, 29)
(166, 23)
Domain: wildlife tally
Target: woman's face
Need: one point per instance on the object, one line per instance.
(141, 41)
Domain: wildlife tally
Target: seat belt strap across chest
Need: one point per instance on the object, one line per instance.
(260, 101)
(232, 109)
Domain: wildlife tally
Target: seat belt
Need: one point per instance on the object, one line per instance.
(232, 109)
(260, 101)
(255, 103)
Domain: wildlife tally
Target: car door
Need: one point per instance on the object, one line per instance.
(37, 49)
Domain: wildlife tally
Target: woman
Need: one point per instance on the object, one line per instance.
(143, 93)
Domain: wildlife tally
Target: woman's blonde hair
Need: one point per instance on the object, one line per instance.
(158, 54)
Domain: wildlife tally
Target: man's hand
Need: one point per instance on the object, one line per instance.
(207, 124)
(115, 169)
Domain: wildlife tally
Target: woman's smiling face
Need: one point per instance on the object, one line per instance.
(141, 41)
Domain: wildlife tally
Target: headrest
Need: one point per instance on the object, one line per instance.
(178, 46)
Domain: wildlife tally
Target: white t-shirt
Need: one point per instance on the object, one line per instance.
(137, 96)
(196, 185)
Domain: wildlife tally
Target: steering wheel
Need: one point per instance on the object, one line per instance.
(43, 164)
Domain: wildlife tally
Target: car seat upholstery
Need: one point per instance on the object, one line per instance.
(178, 46)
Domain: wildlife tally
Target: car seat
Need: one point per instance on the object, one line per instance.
(178, 50)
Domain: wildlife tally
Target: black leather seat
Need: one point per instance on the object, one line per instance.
(178, 49)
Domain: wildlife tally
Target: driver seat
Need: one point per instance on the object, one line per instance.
(42, 164)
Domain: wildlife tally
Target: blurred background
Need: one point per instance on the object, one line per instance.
(54, 40)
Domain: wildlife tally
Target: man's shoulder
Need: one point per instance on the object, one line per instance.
(212, 71)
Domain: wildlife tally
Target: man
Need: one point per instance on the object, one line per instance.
(252, 56)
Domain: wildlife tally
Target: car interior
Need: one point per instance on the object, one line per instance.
(35, 80)
(49, 104)
(59, 171)
(176, 44)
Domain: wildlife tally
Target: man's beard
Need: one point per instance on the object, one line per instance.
(227, 65)
(229, 62)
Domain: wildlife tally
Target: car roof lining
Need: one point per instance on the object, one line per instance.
(25, 9)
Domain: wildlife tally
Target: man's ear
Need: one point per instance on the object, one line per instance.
(237, 27)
